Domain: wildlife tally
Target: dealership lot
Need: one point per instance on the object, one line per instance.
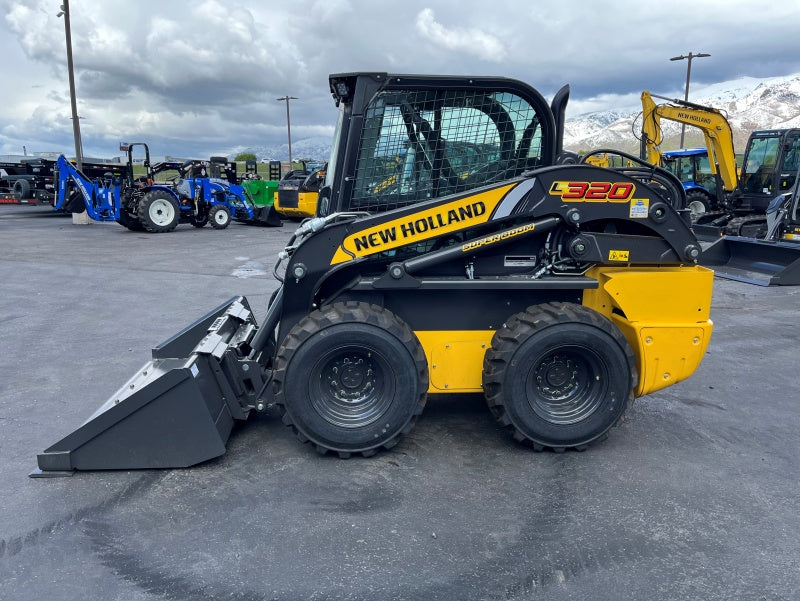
(694, 496)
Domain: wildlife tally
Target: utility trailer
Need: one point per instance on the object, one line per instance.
(558, 291)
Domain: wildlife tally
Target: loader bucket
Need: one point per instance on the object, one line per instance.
(268, 216)
(179, 409)
(754, 261)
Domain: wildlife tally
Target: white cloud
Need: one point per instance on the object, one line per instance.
(470, 41)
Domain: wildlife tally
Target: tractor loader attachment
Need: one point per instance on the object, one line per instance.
(456, 250)
(179, 409)
(754, 261)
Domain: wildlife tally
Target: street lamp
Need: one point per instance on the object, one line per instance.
(77, 218)
(76, 126)
(689, 56)
(288, 126)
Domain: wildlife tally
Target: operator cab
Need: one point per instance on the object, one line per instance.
(420, 144)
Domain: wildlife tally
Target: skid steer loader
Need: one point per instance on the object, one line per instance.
(559, 291)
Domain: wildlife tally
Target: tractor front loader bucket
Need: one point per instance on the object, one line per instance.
(268, 216)
(760, 262)
(179, 409)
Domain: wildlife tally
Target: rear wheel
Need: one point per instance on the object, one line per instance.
(219, 216)
(22, 188)
(698, 203)
(558, 375)
(351, 378)
(159, 211)
(132, 223)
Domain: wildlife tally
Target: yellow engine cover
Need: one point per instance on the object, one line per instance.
(664, 314)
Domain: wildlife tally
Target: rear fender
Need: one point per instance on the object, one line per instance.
(663, 312)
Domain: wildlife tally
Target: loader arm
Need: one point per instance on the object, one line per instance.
(715, 127)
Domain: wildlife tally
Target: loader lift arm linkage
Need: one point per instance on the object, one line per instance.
(457, 250)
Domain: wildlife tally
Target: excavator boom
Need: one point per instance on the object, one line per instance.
(715, 127)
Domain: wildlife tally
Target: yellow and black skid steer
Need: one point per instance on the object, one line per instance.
(457, 249)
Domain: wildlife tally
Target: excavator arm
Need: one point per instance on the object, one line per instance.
(75, 191)
(715, 127)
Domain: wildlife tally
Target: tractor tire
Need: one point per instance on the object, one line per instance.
(698, 204)
(199, 221)
(159, 212)
(132, 223)
(351, 378)
(219, 216)
(22, 188)
(558, 376)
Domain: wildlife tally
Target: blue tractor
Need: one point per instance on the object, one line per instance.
(692, 167)
(140, 204)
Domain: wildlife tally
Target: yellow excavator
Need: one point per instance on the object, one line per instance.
(718, 139)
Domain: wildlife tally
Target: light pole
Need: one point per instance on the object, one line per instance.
(288, 126)
(689, 57)
(76, 126)
(77, 218)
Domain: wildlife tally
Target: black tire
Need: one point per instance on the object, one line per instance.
(132, 223)
(219, 216)
(22, 188)
(698, 203)
(200, 220)
(159, 212)
(559, 375)
(351, 378)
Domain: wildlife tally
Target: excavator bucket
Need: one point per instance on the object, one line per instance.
(760, 262)
(179, 409)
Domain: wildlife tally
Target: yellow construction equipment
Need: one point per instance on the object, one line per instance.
(559, 291)
(718, 139)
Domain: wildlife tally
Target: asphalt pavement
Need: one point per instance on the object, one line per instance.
(694, 496)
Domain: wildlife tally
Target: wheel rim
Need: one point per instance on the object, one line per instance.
(161, 212)
(567, 385)
(696, 208)
(220, 217)
(349, 387)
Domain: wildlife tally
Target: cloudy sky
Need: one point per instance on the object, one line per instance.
(199, 78)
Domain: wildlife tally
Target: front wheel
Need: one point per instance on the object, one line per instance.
(219, 216)
(559, 375)
(351, 378)
(159, 211)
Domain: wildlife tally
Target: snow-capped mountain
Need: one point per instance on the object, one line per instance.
(749, 104)
(318, 147)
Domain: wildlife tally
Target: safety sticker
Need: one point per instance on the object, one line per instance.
(640, 207)
(618, 255)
